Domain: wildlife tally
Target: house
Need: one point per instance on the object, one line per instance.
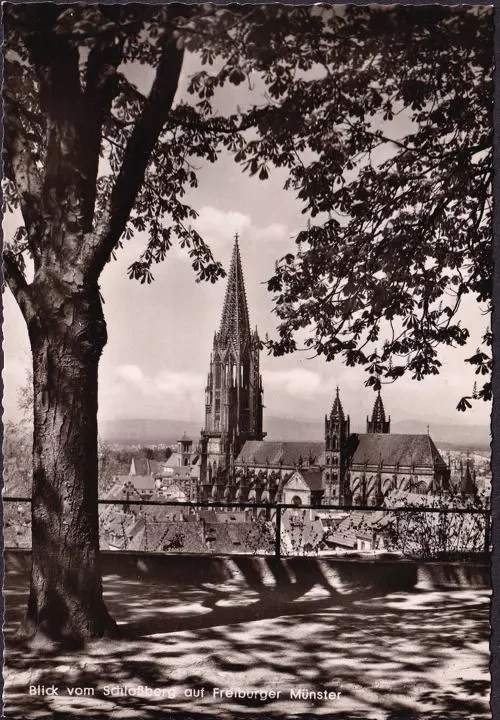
(358, 531)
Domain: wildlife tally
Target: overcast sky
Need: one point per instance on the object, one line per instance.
(160, 335)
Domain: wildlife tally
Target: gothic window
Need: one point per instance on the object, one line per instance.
(296, 500)
(218, 374)
(335, 443)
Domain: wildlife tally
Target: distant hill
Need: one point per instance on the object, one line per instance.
(154, 432)
(143, 431)
(477, 436)
(293, 430)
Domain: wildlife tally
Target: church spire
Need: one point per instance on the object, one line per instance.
(233, 394)
(337, 409)
(235, 323)
(378, 415)
(378, 422)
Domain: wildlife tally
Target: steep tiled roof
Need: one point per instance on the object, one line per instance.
(145, 465)
(357, 524)
(116, 490)
(142, 483)
(263, 452)
(405, 450)
(127, 483)
(141, 464)
(173, 460)
(312, 478)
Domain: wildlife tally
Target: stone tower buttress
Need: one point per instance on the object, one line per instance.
(337, 432)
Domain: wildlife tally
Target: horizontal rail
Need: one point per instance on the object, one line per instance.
(274, 512)
(282, 506)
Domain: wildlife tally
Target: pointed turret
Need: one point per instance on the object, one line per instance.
(337, 409)
(467, 484)
(378, 414)
(235, 323)
(378, 422)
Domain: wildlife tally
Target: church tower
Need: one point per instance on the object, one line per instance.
(337, 432)
(185, 450)
(378, 423)
(233, 395)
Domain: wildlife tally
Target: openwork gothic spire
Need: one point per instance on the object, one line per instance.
(235, 324)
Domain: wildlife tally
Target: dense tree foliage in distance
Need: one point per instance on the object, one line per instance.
(90, 159)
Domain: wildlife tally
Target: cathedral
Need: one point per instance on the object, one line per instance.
(238, 465)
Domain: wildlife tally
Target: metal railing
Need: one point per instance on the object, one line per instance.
(406, 523)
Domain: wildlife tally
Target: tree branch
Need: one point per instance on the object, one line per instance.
(100, 89)
(20, 167)
(137, 154)
(19, 287)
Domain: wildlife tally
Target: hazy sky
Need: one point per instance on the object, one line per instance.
(160, 335)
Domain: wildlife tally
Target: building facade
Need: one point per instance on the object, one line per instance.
(363, 468)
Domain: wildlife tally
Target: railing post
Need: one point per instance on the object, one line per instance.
(277, 539)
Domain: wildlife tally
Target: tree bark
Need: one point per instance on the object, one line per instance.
(65, 602)
(62, 309)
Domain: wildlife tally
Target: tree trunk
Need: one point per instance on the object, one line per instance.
(65, 602)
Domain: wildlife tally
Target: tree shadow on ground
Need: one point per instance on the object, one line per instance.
(393, 655)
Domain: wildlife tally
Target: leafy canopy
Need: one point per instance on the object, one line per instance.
(382, 119)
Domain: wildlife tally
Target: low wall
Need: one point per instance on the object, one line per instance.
(344, 574)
